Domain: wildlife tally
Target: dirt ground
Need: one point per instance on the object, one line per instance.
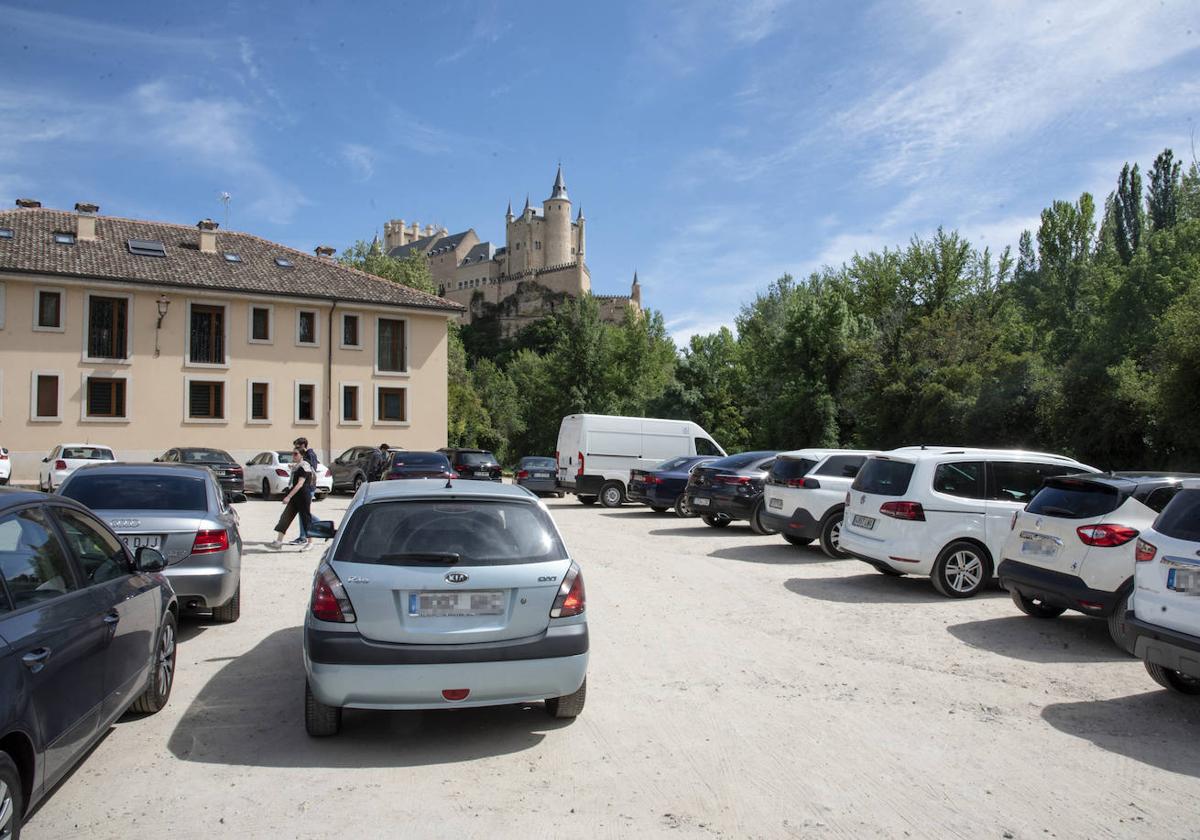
(738, 687)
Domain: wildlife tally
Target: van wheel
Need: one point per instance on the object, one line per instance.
(12, 806)
(831, 532)
(797, 541)
(1173, 680)
(961, 570)
(612, 494)
(1036, 607)
(587, 500)
(682, 510)
(716, 520)
(568, 706)
(320, 721)
(756, 521)
(1119, 629)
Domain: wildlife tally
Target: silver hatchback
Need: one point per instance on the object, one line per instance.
(438, 595)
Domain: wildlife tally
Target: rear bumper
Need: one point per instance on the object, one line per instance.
(208, 586)
(800, 523)
(901, 555)
(539, 485)
(339, 647)
(1057, 588)
(735, 507)
(655, 498)
(584, 485)
(1169, 648)
(233, 484)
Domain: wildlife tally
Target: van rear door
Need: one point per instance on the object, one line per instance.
(570, 446)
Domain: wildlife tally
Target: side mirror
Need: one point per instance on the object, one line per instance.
(147, 559)
(322, 528)
(46, 460)
(157, 460)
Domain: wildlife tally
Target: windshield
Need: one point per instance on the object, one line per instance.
(466, 532)
(884, 477)
(87, 453)
(205, 456)
(137, 492)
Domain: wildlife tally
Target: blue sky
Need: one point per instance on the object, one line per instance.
(713, 145)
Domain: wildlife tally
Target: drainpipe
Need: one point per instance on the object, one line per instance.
(327, 437)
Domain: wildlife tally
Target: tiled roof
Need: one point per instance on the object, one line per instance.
(423, 245)
(480, 252)
(32, 249)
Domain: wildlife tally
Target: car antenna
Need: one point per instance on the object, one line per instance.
(448, 486)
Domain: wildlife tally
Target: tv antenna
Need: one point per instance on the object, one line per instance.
(225, 199)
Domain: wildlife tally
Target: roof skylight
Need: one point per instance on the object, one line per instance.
(146, 248)
(232, 257)
(283, 262)
(6, 233)
(64, 238)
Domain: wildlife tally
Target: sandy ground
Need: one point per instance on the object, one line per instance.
(739, 687)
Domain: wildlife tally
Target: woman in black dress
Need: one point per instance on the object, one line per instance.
(297, 501)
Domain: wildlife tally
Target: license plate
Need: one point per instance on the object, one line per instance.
(483, 472)
(860, 521)
(142, 540)
(1038, 545)
(456, 604)
(541, 475)
(777, 504)
(1183, 580)
(700, 502)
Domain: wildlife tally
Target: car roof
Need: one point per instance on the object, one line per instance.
(435, 488)
(930, 453)
(95, 445)
(1127, 480)
(824, 453)
(12, 496)
(133, 468)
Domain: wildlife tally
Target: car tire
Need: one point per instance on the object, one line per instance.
(799, 542)
(716, 520)
(568, 706)
(1035, 607)
(961, 570)
(612, 494)
(1173, 680)
(319, 497)
(358, 482)
(12, 798)
(658, 509)
(682, 509)
(587, 500)
(831, 530)
(756, 523)
(162, 668)
(1119, 629)
(561, 495)
(320, 721)
(266, 490)
(231, 610)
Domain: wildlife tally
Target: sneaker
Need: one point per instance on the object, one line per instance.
(274, 545)
(297, 541)
(305, 546)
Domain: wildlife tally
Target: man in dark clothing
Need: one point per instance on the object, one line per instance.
(310, 458)
(296, 502)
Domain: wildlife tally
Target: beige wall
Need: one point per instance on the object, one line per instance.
(156, 387)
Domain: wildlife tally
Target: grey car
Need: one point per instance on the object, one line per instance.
(179, 510)
(539, 475)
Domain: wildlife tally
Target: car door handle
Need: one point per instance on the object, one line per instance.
(35, 660)
(112, 618)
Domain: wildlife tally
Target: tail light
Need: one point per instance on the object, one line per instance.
(327, 472)
(236, 470)
(4, 455)
(207, 542)
(523, 474)
(734, 480)
(571, 599)
(1106, 536)
(911, 511)
(580, 472)
(329, 599)
(60, 464)
(1144, 552)
(649, 478)
(282, 473)
(806, 483)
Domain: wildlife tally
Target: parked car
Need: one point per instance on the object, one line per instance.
(269, 474)
(1072, 547)
(87, 631)
(664, 487)
(491, 605)
(731, 488)
(65, 458)
(538, 474)
(475, 464)
(228, 471)
(805, 495)
(180, 511)
(402, 465)
(1165, 620)
(943, 511)
(356, 466)
(5, 466)
(597, 452)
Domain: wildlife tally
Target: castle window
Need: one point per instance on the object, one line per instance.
(537, 246)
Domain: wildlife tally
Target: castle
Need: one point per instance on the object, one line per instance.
(541, 265)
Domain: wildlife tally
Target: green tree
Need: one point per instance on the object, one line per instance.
(1163, 202)
(412, 271)
(1128, 215)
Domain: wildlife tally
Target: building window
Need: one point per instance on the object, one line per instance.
(108, 327)
(105, 397)
(392, 405)
(260, 393)
(350, 331)
(537, 245)
(206, 400)
(306, 327)
(45, 396)
(206, 337)
(260, 324)
(392, 355)
(349, 403)
(306, 402)
(49, 314)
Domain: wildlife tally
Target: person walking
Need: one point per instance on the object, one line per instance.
(296, 502)
(377, 462)
(310, 458)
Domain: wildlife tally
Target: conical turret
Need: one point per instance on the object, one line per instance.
(560, 188)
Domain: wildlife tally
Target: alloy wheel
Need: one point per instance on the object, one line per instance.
(166, 659)
(964, 571)
(835, 536)
(7, 812)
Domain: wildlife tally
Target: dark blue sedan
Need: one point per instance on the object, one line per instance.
(662, 487)
(87, 631)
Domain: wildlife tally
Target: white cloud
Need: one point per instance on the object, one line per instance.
(682, 36)
(360, 159)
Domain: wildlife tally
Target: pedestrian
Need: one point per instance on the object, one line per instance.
(296, 502)
(377, 463)
(310, 458)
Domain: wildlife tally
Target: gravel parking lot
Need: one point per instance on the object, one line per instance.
(738, 687)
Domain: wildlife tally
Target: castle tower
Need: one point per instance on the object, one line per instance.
(580, 239)
(635, 294)
(557, 212)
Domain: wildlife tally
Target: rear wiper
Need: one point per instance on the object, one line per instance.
(447, 557)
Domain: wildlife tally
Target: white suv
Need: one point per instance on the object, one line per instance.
(806, 494)
(1165, 622)
(1072, 547)
(942, 511)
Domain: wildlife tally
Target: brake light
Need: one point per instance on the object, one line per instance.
(60, 464)
(206, 542)
(736, 480)
(571, 599)
(795, 482)
(807, 483)
(649, 478)
(580, 472)
(282, 473)
(912, 511)
(329, 599)
(455, 694)
(236, 470)
(1106, 536)
(1144, 552)
(523, 474)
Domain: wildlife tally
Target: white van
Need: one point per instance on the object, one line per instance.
(596, 451)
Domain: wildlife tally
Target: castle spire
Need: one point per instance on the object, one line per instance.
(509, 216)
(526, 202)
(580, 217)
(560, 188)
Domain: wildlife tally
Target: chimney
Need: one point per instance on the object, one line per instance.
(325, 251)
(208, 236)
(28, 203)
(85, 221)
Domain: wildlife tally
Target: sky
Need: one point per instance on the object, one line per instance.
(713, 145)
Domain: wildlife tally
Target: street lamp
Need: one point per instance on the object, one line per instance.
(164, 303)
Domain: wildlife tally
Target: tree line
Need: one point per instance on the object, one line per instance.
(1085, 341)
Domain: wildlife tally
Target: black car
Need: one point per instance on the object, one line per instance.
(476, 464)
(418, 465)
(729, 488)
(539, 475)
(662, 488)
(356, 466)
(87, 631)
(227, 470)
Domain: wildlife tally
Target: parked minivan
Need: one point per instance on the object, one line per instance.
(596, 452)
(943, 511)
(806, 494)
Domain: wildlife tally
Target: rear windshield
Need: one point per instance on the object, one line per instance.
(206, 456)
(1074, 499)
(883, 477)
(1181, 518)
(137, 492)
(676, 464)
(87, 453)
(787, 468)
(739, 461)
(476, 459)
(538, 463)
(452, 532)
(420, 459)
